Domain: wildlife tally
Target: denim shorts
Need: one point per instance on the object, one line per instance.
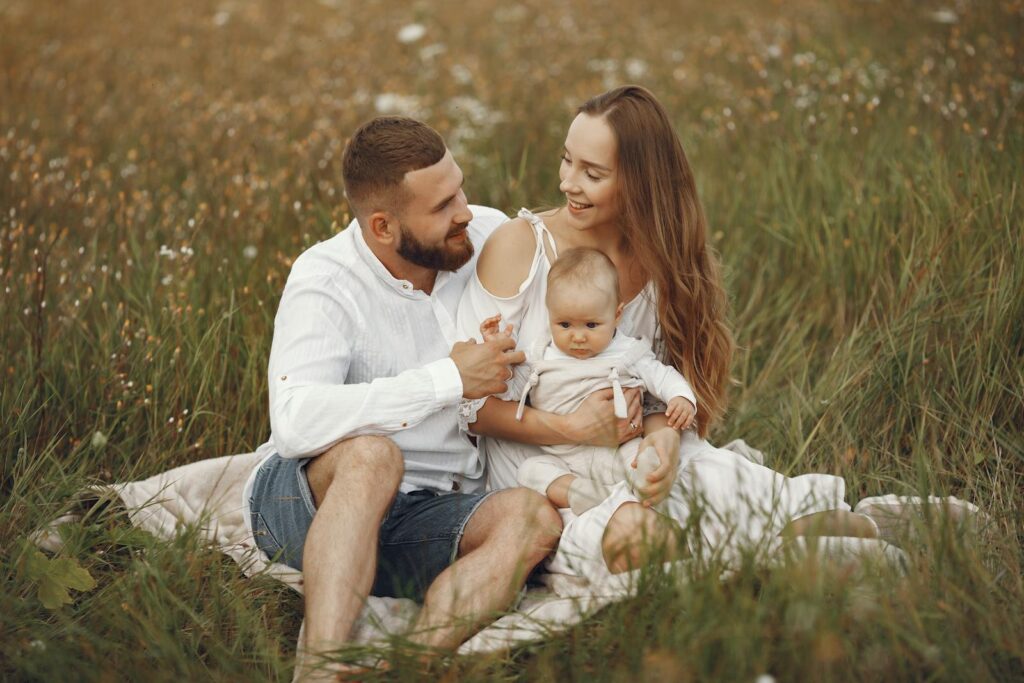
(417, 540)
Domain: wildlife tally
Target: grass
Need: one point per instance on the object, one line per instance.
(860, 164)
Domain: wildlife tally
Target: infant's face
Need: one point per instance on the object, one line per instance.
(583, 319)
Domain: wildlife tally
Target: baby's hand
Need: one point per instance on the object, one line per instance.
(491, 328)
(680, 413)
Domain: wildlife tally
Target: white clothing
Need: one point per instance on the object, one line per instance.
(559, 383)
(357, 351)
(744, 503)
(529, 316)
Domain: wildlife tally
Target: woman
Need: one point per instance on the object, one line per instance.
(630, 193)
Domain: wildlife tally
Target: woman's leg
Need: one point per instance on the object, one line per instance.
(637, 536)
(832, 523)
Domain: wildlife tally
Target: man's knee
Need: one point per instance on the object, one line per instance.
(536, 521)
(519, 522)
(371, 459)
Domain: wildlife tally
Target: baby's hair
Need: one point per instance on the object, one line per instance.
(585, 266)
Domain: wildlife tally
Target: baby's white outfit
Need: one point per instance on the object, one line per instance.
(558, 383)
(742, 505)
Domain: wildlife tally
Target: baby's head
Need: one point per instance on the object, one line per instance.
(583, 302)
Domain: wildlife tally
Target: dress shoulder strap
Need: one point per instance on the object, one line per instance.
(542, 230)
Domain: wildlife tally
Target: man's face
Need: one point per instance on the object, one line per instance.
(433, 223)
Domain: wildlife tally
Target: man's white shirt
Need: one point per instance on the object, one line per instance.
(359, 352)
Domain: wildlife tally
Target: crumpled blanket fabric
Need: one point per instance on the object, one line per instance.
(208, 494)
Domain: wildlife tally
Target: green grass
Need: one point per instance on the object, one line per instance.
(860, 165)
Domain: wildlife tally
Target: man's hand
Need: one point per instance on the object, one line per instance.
(485, 368)
(680, 413)
(594, 422)
(659, 482)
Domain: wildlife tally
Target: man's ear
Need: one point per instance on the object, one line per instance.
(618, 313)
(381, 227)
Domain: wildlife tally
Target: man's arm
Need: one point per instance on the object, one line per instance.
(311, 406)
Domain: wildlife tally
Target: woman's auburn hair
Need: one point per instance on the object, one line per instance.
(666, 231)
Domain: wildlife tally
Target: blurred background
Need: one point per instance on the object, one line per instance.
(162, 164)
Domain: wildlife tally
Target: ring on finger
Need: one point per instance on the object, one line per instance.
(511, 373)
(633, 426)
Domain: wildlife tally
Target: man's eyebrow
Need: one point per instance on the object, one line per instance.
(440, 205)
(591, 164)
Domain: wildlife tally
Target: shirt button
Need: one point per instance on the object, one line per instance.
(284, 377)
(405, 285)
(456, 486)
(405, 424)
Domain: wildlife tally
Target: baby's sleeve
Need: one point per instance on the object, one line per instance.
(663, 381)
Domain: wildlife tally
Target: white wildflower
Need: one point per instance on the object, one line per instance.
(944, 15)
(394, 103)
(410, 33)
(99, 439)
(636, 68)
(428, 52)
(249, 252)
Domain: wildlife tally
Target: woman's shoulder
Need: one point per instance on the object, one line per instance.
(507, 258)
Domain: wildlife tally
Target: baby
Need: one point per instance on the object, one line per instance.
(585, 354)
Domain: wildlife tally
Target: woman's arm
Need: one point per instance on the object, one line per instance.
(665, 441)
(593, 422)
(506, 259)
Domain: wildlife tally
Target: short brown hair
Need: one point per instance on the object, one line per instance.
(379, 155)
(585, 266)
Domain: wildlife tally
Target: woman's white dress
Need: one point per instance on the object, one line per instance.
(743, 506)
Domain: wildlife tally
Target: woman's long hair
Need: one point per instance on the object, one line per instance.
(666, 231)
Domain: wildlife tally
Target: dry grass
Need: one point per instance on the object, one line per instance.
(161, 166)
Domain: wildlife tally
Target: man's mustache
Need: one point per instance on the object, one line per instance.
(457, 229)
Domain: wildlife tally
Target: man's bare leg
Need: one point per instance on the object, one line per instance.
(508, 535)
(353, 485)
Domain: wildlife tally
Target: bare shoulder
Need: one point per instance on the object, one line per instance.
(506, 258)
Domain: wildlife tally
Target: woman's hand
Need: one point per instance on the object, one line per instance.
(665, 441)
(594, 422)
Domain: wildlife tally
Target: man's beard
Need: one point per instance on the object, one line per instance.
(440, 257)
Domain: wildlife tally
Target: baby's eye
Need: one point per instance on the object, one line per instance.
(564, 326)
(592, 325)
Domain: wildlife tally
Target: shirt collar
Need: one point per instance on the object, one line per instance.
(403, 287)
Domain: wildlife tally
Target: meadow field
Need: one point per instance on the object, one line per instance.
(163, 164)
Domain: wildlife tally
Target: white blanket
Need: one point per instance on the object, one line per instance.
(208, 493)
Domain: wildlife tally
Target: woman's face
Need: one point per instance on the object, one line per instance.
(588, 172)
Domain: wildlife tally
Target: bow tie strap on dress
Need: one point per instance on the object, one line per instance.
(531, 383)
(618, 398)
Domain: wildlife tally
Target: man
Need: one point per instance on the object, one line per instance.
(368, 485)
